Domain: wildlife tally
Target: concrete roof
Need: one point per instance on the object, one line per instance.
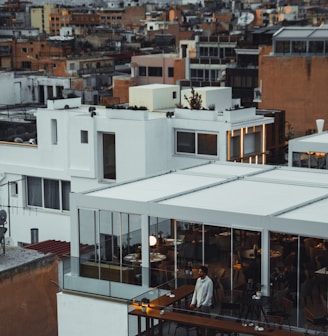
(231, 188)
(16, 256)
(315, 138)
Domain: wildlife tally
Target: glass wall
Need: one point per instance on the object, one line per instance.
(298, 279)
(110, 246)
(310, 160)
(111, 249)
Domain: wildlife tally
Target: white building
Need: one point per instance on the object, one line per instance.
(310, 151)
(19, 88)
(255, 207)
(79, 147)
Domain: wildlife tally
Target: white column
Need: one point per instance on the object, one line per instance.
(145, 249)
(265, 262)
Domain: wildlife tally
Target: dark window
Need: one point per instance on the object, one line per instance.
(84, 137)
(34, 191)
(171, 72)
(47, 193)
(142, 71)
(66, 189)
(51, 194)
(283, 47)
(316, 47)
(197, 143)
(207, 144)
(235, 147)
(155, 72)
(26, 65)
(109, 156)
(298, 47)
(184, 50)
(185, 142)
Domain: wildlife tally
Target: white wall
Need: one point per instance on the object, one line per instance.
(20, 220)
(24, 89)
(219, 96)
(154, 96)
(84, 316)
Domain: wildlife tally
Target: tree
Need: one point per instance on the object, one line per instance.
(195, 100)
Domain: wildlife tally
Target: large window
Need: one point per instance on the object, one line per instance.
(316, 47)
(109, 156)
(109, 242)
(155, 72)
(196, 143)
(282, 47)
(245, 145)
(48, 193)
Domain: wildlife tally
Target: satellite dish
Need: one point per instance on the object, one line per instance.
(3, 217)
(245, 19)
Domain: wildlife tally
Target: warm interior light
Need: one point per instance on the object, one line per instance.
(152, 240)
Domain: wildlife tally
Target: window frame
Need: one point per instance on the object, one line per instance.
(106, 173)
(142, 71)
(194, 143)
(61, 193)
(84, 136)
(154, 71)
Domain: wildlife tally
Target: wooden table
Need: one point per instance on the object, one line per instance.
(179, 294)
(201, 322)
(153, 258)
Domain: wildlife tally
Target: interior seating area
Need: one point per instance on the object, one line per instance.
(298, 276)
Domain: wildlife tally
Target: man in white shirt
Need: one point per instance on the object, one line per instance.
(203, 293)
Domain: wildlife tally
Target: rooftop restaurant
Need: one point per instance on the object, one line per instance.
(260, 230)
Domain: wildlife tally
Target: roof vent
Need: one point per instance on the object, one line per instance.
(320, 123)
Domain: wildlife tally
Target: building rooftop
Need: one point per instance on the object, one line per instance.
(223, 187)
(16, 256)
(303, 33)
(60, 248)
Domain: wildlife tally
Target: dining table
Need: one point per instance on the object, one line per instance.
(154, 257)
(204, 323)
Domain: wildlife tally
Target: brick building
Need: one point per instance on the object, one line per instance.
(292, 76)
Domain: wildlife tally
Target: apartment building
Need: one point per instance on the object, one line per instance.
(69, 147)
(157, 68)
(207, 58)
(291, 76)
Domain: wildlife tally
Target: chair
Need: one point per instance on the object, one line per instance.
(315, 319)
(284, 313)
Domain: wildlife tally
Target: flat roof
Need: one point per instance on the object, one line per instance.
(320, 32)
(261, 190)
(314, 138)
(16, 256)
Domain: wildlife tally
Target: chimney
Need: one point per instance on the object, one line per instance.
(320, 123)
